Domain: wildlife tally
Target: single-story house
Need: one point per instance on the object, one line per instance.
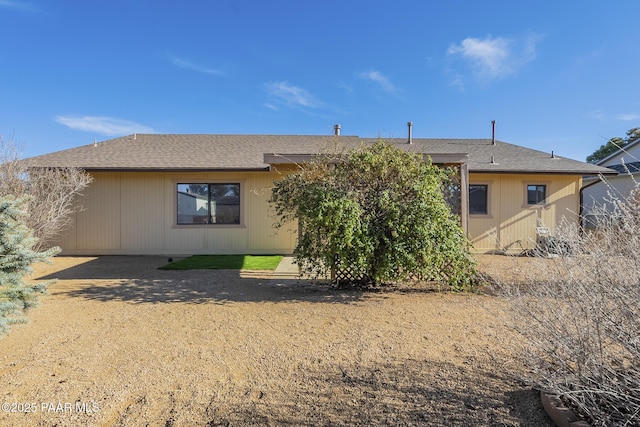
(175, 194)
(598, 192)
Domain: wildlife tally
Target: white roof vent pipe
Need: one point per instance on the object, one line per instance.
(410, 126)
(336, 130)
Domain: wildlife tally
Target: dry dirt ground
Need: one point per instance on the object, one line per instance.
(117, 342)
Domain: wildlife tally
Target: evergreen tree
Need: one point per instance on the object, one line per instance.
(16, 257)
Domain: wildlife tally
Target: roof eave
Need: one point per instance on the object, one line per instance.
(539, 172)
(266, 168)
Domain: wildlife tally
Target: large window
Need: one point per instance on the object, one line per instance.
(478, 199)
(536, 194)
(205, 203)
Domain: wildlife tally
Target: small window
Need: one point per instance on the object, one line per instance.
(478, 199)
(203, 203)
(536, 194)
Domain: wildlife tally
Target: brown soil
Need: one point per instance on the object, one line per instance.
(118, 342)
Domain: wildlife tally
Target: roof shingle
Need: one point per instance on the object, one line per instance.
(174, 152)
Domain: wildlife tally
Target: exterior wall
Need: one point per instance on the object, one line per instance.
(510, 224)
(129, 213)
(599, 194)
(135, 213)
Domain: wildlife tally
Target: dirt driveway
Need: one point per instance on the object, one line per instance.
(119, 342)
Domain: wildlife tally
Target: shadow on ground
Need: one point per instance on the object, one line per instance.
(137, 279)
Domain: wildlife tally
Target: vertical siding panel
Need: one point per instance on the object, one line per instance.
(264, 237)
(483, 229)
(98, 225)
(519, 222)
(67, 240)
(227, 240)
(142, 212)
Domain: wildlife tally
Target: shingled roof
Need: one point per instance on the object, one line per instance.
(626, 168)
(191, 152)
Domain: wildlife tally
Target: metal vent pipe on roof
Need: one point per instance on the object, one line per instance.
(410, 126)
(493, 132)
(336, 130)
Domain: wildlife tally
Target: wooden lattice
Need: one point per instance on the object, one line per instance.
(452, 190)
(344, 274)
(348, 273)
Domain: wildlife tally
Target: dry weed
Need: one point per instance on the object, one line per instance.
(580, 314)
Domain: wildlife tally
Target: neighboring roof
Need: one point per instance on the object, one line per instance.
(626, 168)
(181, 152)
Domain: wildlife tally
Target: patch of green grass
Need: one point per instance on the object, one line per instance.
(226, 262)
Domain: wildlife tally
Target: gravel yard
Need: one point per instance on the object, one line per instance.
(119, 342)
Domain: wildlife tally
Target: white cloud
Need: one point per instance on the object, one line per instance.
(103, 125)
(178, 62)
(377, 77)
(628, 117)
(292, 96)
(19, 5)
(624, 117)
(493, 58)
(489, 57)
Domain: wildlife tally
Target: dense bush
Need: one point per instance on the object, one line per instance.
(16, 257)
(378, 210)
(580, 315)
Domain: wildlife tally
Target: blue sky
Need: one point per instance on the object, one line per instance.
(555, 75)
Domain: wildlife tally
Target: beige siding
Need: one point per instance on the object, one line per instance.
(98, 225)
(143, 211)
(510, 224)
(135, 213)
(264, 236)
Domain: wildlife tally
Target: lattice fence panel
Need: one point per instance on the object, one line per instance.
(452, 190)
(348, 273)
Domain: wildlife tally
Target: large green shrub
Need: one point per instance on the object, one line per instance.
(16, 257)
(378, 210)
